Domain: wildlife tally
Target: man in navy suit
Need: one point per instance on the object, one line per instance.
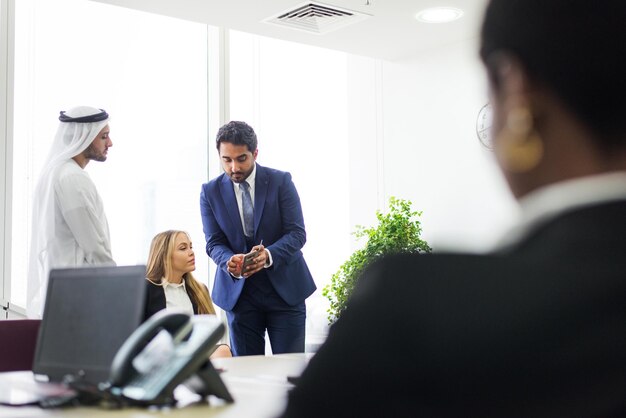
(254, 208)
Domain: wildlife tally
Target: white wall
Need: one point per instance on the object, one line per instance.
(416, 121)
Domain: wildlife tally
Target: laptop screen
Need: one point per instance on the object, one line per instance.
(88, 314)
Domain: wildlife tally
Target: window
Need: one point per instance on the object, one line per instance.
(295, 98)
(150, 73)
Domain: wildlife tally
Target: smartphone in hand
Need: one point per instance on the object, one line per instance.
(248, 259)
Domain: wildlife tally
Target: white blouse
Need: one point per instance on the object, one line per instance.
(176, 296)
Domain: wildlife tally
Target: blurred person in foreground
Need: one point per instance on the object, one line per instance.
(537, 328)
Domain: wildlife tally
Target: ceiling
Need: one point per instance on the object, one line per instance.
(391, 33)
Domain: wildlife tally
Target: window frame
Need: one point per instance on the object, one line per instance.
(7, 42)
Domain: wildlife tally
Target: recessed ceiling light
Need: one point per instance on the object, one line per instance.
(439, 14)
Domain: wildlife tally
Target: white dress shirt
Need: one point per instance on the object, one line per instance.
(239, 193)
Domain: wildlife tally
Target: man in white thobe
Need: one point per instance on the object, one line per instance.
(69, 227)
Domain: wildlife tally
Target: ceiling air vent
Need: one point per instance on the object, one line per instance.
(316, 18)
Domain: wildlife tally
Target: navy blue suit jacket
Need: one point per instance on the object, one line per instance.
(278, 221)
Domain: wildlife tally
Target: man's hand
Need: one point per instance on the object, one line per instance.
(257, 262)
(234, 265)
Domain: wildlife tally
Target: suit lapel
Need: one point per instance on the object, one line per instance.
(260, 193)
(230, 202)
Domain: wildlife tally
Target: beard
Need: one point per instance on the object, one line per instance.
(240, 176)
(91, 153)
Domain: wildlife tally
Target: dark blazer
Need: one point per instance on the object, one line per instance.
(278, 221)
(537, 331)
(155, 300)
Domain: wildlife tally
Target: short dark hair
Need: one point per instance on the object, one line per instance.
(237, 133)
(575, 48)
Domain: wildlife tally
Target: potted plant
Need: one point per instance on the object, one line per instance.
(398, 231)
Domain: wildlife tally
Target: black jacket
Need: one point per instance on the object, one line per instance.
(155, 300)
(538, 331)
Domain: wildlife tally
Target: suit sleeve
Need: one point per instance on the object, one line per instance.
(293, 234)
(217, 246)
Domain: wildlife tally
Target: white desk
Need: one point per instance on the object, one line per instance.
(258, 384)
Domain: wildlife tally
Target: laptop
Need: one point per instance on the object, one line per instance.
(88, 314)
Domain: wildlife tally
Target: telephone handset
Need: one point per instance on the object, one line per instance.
(169, 349)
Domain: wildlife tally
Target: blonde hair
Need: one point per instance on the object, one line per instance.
(160, 266)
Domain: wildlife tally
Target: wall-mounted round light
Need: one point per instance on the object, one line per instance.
(439, 14)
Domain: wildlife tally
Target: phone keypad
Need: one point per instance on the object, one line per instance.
(149, 385)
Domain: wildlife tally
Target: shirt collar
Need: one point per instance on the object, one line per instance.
(165, 283)
(550, 201)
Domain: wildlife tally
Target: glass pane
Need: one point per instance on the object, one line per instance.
(150, 73)
(295, 97)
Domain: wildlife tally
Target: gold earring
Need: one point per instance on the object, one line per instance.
(521, 146)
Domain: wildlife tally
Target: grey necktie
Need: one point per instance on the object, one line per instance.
(248, 209)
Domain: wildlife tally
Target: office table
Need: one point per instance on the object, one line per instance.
(258, 384)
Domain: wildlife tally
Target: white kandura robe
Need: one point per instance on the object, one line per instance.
(81, 230)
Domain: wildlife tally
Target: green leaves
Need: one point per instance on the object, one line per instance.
(398, 231)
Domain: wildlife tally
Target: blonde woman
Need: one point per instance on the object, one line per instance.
(170, 281)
